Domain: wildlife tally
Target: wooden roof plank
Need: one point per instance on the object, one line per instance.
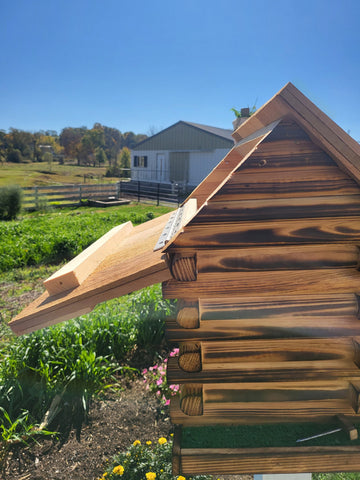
(134, 266)
(80, 267)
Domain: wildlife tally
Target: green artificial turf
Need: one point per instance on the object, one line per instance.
(267, 435)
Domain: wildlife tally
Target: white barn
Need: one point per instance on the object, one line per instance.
(183, 153)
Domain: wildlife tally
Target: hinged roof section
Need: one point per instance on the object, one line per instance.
(128, 266)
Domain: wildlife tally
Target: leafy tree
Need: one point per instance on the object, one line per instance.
(14, 156)
(100, 156)
(125, 161)
(70, 139)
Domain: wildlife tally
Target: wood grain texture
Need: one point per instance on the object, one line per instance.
(270, 460)
(328, 129)
(279, 208)
(268, 283)
(79, 268)
(251, 329)
(261, 399)
(289, 307)
(240, 353)
(133, 267)
(303, 257)
(271, 317)
(188, 314)
(290, 102)
(309, 366)
(276, 232)
(183, 268)
(189, 358)
(252, 413)
(191, 400)
(299, 182)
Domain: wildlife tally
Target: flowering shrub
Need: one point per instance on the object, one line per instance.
(151, 461)
(155, 378)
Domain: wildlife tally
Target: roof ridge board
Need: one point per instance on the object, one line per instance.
(327, 130)
(340, 132)
(331, 146)
(253, 123)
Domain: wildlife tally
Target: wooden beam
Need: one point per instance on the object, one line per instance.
(278, 208)
(270, 460)
(303, 257)
(264, 328)
(275, 232)
(277, 282)
(188, 314)
(79, 268)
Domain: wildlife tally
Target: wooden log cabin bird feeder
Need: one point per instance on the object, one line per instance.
(263, 259)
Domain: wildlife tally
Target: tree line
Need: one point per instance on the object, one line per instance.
(100, 145)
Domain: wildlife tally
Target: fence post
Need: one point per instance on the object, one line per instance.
(80, 193)
(36, 198)
(158, 195)
(118, 189)
(139, 191)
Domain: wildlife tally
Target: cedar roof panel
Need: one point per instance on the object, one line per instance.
(134, 266)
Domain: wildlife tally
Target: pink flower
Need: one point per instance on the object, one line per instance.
(158, 393)
(144, 371)
(154, 367)
(147, 387)
(165, 361)
(159, 382)
(167, 402)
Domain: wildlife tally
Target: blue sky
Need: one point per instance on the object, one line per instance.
(137, 65)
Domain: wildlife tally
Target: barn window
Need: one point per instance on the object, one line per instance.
(141, 161)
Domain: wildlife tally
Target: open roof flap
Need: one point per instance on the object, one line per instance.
(98, 274)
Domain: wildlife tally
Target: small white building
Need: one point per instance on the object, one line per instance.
(183, 153)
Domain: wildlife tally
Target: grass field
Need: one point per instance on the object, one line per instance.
(30, 174)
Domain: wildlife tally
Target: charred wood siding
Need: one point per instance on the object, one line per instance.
(268, 324)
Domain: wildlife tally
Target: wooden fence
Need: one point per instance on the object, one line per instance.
(67, 195)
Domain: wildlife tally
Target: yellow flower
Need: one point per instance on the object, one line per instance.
(180, 477)
(137, 442)
(162, 440)
(128, 454)
(119, 470)
(150, 476)
(149, 442)
(171, 434)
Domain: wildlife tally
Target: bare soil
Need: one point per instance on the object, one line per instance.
(113, 424)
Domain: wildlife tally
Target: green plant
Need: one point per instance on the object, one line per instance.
(151, 461)
(10, 202)
(155, 378)
(19, 430)
(53, 237)
(238, 113)
(80, 358)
